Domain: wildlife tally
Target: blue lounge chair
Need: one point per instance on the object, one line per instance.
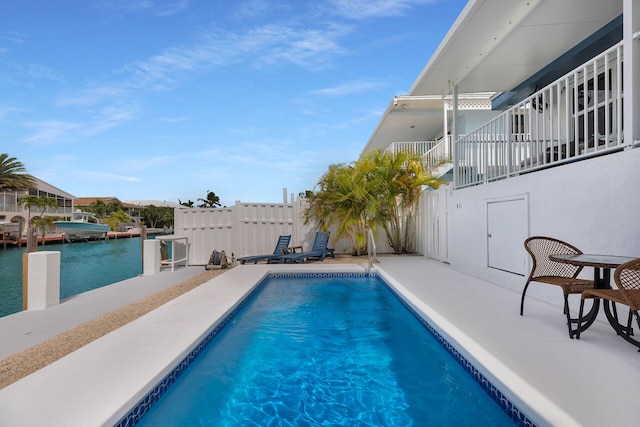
(319, 250)
(283, 243)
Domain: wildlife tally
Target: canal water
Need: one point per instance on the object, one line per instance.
(83, 266)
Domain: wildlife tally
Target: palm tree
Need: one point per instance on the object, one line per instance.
(398, 180)
(117, 217)
(115, 206)
(157, 216)
(381, 189)
(98, 207)
(211, 201)
(44, 223)
(13, 176)
(41, 202)
(342, 198)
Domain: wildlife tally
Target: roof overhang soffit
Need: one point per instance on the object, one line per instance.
(495, 45)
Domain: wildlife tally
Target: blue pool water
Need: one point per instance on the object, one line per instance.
(336, 351)
(83, 266)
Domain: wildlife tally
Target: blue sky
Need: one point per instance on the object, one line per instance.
(168, 99)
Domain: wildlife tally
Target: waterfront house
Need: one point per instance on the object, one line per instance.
(557, 154)
(133, 210)
(11, 211)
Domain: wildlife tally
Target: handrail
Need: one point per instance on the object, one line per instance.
(371, 244)
(437, 155)
(415, 147)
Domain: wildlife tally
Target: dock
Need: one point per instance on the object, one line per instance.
(8, 241)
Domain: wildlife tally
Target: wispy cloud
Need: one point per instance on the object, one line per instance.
(111, 116)
(104, 176)
(366, 117)
(13, 37)
(148, 162)
(254, 9)
(348, 88)
(171, 7)
(305, 48)
(154, 7)
(5, 111)
(363, 9)
(51, 131)
(268, 44)
(37, 72)
(92, 96)
(173, 119)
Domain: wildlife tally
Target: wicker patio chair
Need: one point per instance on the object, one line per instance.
(544, 270)
(627, 279)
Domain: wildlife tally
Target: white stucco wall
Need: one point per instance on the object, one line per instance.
(593, 204)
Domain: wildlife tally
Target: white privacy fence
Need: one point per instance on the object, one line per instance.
(243, 229)
(250, 229)
(577, 116)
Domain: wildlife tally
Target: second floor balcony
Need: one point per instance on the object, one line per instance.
(576, 117)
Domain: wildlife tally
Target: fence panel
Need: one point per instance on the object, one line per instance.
(207, 229)
(259, 226)
(243, 229)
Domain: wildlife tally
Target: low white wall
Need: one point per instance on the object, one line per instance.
(152, 258)
(592, 204)
(43, 280)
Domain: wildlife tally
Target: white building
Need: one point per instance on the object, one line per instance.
(12, 212)
(555, 156)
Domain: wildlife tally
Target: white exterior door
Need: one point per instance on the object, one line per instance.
(437, 229)
(507, 229)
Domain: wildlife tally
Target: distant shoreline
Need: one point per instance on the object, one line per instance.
(59, 238)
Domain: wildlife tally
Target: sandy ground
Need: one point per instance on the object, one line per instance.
(37, 357)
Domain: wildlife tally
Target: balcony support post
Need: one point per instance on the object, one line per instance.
(631, 69)
(508, 133)
(454, 137)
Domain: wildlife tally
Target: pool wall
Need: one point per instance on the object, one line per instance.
(505, 401)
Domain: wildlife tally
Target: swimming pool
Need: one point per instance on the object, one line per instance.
(289, 359)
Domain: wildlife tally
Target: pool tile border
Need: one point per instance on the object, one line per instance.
(144, 405)
(515, 413)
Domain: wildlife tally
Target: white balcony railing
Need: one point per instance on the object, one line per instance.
(433, 153)
(438, 155)
(575, 117)
(415, 147)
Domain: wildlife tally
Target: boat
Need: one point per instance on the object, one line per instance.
(83, 224)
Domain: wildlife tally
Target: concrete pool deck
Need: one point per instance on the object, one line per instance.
(588, 382)
(27, 328)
